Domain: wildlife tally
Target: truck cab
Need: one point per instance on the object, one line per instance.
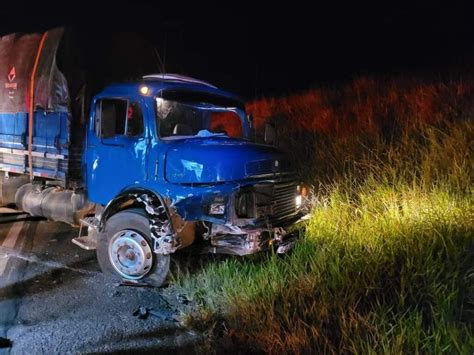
(178, 152)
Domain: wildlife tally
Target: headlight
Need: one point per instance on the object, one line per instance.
(298, 201)
(217, 208)
(302, 191)
(217, 205)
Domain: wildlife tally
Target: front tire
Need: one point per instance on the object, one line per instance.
(125, 249)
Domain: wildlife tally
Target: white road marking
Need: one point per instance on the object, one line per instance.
(10, 242)
(31, 258)
(6, 210)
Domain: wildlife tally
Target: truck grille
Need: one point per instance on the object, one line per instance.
(275, 203)
(267, 203)
(284, 202)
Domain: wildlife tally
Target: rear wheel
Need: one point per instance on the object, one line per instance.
(125, 249)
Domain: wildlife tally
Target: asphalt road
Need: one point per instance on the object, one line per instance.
(54, 299)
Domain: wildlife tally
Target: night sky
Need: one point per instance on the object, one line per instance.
(257, 50)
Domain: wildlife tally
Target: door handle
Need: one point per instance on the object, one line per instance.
(114, 145)
(156, 169)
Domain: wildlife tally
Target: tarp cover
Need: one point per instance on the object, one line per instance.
(17, 56)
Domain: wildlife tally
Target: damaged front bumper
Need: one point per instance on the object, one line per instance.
(225, 239)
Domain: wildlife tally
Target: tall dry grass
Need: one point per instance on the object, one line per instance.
(355, 127)
(386, 263)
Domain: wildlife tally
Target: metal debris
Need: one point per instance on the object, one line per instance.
(143, 312)
(133, 283)
(182, 299)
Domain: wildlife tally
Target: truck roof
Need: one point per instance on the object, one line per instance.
(172, 82)
(176, 78)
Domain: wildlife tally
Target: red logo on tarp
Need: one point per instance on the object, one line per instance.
(12, 75)
(11, 85)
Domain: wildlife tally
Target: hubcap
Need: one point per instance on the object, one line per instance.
(130, 254)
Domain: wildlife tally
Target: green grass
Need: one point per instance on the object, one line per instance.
(391, 273)
(385, 265)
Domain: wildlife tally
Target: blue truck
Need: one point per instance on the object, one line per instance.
(144, 168)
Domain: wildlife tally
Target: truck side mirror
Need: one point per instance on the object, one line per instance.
(270, 134)
(253, 129)
(250, 119)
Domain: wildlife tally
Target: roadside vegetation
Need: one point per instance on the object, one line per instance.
(386, 263)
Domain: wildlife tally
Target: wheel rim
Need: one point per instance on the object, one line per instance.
(130, 254)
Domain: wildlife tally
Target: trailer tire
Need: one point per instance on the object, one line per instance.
(125, 249)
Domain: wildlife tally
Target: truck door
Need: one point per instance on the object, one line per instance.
(116, 148)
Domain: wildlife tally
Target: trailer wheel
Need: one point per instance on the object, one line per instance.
(125, 251)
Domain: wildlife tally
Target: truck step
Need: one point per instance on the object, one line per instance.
(89, 240)
(90, 222)
(85, 242)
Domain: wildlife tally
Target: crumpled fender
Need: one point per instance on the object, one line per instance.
(165, 239)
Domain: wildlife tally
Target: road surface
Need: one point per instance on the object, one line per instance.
(54, 299)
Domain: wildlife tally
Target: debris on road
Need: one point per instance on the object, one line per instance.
(143, 312)
(133, 283)
(5, 343)
(182, 299)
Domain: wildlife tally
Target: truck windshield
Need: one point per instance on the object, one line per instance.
(186, 118)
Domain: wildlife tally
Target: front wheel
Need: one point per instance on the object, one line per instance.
(124, 249)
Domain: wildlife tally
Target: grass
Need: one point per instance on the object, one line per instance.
(386, 263)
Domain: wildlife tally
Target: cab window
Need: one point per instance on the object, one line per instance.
(119, 117)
